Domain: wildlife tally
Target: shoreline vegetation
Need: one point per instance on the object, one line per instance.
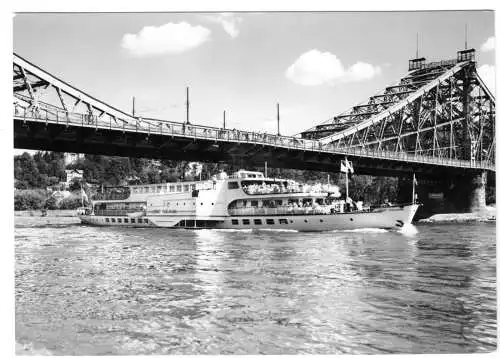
(40, 182)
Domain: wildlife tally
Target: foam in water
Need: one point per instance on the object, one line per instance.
(408, 230)
(366, 230)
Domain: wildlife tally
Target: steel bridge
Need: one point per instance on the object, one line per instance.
(437, 120)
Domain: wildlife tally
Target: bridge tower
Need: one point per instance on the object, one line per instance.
(438, 109)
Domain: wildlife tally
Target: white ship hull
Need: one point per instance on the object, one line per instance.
(383, 218)
(246, 200)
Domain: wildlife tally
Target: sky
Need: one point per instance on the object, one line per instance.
(315, 64)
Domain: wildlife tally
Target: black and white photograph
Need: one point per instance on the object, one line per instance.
(253, 182)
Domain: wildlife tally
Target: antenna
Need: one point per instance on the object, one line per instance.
(417, 45)
(224, 121)
(187, 105)
(278, 113)
(133, 106)
(466, 36)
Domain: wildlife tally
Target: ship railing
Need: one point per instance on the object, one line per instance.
(116, 212)
(276, 189)
(280, 211)
(110, 196)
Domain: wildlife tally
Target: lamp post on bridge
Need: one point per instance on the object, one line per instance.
(278, 116)
(187, 105)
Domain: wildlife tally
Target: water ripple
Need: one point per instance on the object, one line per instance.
(92, 291)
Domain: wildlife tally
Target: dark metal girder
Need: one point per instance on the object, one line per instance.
(33, 85)
(388, 94)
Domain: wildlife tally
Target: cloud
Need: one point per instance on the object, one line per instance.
(487, 74)
(315, 68)
(361, 71)
(229, 22)
(489, 45)
(167, 38)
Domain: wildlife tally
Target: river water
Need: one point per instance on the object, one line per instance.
(84, 290)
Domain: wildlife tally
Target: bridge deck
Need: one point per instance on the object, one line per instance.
(168, 130)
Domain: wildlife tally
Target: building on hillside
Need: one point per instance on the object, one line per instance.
(73, 174)
(71, 158)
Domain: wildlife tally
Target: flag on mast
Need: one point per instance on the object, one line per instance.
(346, 166)
(84, 195)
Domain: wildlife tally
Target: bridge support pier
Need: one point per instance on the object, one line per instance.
(477, 192)
(460, 193)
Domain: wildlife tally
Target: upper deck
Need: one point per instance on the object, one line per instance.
(248, 182)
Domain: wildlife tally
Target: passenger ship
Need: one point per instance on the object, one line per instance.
(244, 200)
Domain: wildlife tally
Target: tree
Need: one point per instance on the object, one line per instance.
(25, 169)
(76, 184)
(29, 199)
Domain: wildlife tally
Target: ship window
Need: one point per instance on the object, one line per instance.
(146, 190)
(153, 189)
(257, 222)
(232, 185)
(125, 221)
(234, 222)
(132, 221)
(320, 220)
(179, 188)
(305, 220)
(186, 187)
(146, 221)
(283, 221)
(171, 188)
(193, 186)
(246, 222)
(139, 221)
(158, 188)
(119, 220)
(279, 202)
(107, 220)
(254, 203)
(112, 220)
(269, 221)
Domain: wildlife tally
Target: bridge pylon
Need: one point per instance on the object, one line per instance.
(438, 109)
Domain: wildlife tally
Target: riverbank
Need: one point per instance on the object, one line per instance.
(486, 215)
(51, 213)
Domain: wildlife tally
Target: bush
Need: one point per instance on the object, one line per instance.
(70, 203)
(29, 199)
(51, 203)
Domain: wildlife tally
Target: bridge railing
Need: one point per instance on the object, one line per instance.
(149, 126)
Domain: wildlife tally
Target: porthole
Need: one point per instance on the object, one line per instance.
(305, 220)
(352, 219)
(320, 220)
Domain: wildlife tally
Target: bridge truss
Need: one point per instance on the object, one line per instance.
(439, 109)
(439, 118)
